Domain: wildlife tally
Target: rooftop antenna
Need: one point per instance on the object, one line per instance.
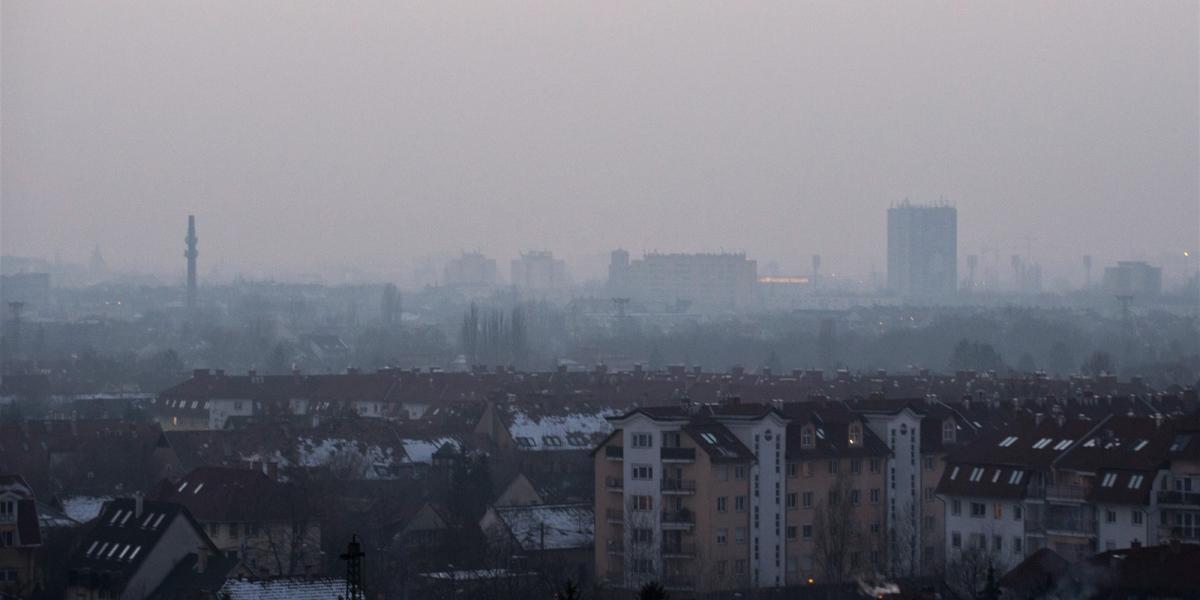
(355, 590)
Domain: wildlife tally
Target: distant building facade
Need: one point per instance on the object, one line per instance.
(922, 248)
(702, 281)
(472, 269)
(1133, 278)
(539, 272)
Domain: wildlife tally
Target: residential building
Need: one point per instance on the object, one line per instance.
(693, 497)
(556, 540)
(724, 281)
(131, 549)
(267, 524)
(20, 537)
(1133, 278)
(538, 272)
(471, 270)
(922, 243)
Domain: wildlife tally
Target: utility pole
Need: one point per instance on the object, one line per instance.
(355, 589)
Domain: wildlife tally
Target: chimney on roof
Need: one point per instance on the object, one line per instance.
(201, 559)
(137, 504)
(1037, 418)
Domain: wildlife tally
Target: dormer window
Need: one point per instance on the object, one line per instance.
(806, 437)
(8, 510)
(855, 434)
(949, 431)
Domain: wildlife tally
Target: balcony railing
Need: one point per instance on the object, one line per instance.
(678, 454)
(614, 515)
(614, 452)
(682, 516)
(1071, 525)
(614, 484)
(1186, 533)
(1074, 493)
(679, 582)
(679, 550)
(1184, 498)
(684, 486)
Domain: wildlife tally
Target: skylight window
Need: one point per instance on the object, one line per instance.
(136, 549)
(158, 521)
(92, 548)
(116, 517)
(146, 521)
(1135, 482)
(181, 487)
(1042, 443)
(821, 433)
(976, 473)
(124, 552)
(996, 476)
(1008, 441)
(708, 437)
(113, 551)
(1062, 445)
(1109, 480)
(1015, 478)
(198, 488)
(1179, 443)
(1090, 443)
(1141, 444)
(100, 552)
(126, 519)
(954, 474)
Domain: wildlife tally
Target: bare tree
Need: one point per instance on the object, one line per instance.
(836, 532)
(967, 573)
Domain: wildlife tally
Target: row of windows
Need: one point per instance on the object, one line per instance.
(832, 467)
(979, 510)
(979, 541)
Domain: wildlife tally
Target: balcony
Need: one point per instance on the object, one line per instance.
(678, 455)
(678, 486)
(614, 484)
(1070, 526)
(1066, 493)
(679, 582)
(1188, 534)
(679, 551)
(1186, 499)
(615, 547)
(1034, 525)
(678, 519)
(614, 453)
(615, 516)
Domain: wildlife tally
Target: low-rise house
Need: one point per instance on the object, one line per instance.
(131, 548)
(20, 537)
(554, 540)
(269, 525)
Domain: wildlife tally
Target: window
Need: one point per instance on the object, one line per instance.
(670, 439)
(977, 474)
(856, 466)
(722, 535)
(834, 497)
(807, 498)
(6, 539)
(1018, 512)
(956, 507)
(739, 503)
(875, 465)
(948, 431)
(739, 566)
(7, 510)
(791, 564)
(1136, 517)
(739, 472)
(1135, 482)
(978, 510)
(643, 565)
(855, 434)
(643, 503)
(643, 440)
(1109, 480)
(833, 467)
(998, 511)
(928, 463)
(997, 543)
(1110, 516)
(643, 472)
(1017, 544)
(791, 470)
(875, 494)
(929, 522)
(854, 497)
(721, 567)
(928, 495)
(739, 535)
(643, 536)
(956, 540)
(791, 532)
(722, 504)
(876, 527)
(807, 532)
(806, 437)
(792, 501)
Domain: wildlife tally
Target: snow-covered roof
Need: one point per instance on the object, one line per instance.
(421, 450)
(283, 588)
(549, 527)
(83, 508)
(570, 430)
(337, 452)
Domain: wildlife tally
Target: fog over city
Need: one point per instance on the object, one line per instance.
(599, 301)
(321, 138)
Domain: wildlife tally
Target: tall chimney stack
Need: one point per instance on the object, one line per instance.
(190, 254)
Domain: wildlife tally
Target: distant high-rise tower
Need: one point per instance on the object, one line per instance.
(190, 254)
(922, 249)
(816, 269)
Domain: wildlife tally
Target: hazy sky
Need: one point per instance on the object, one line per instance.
(306, 135)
